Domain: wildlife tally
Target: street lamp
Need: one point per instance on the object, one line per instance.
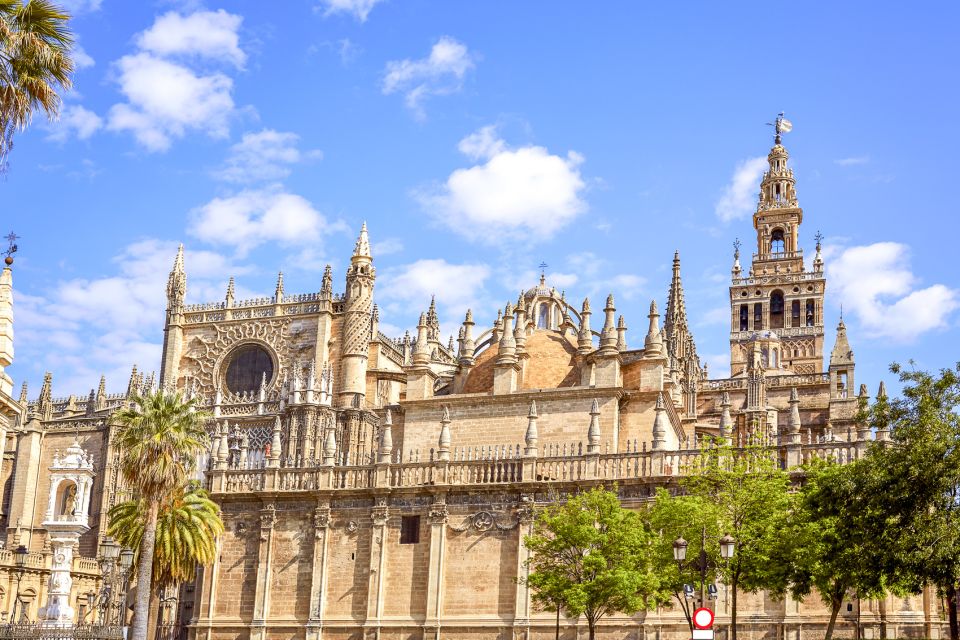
(702, 562)
(109, 552)
(680, 549)
(727, 545)
(20, 559)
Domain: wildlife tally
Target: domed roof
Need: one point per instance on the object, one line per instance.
(552, 364)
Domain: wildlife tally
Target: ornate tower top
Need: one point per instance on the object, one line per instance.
(362, 248)
(177, 282)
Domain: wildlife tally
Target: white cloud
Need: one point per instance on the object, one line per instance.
(847, 162)
(360, 9)
(253, 217)
(440, 73)
(482, 144)
(405, 291)
(263, 156)
(82, 59)
(165, 100)
(206, 34)
(715, 316)
(387, 246)
(90, 342)
(876, 284)
(740, 196)
(75, 120)
(524, 193)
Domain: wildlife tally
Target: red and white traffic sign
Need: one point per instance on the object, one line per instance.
(703, 618)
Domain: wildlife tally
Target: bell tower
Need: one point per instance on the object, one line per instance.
(779, 295)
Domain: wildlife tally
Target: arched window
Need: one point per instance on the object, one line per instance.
(810, 319)
(776, 241)
(776, 310)
(744, 318)
(795, 314)
(543, 316)
(774, 359)
(757, 316)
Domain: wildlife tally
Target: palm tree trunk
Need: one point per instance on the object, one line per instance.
(141, 609)
(834, 610)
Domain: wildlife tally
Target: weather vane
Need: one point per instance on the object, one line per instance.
(818, 238)
(780, 125)
(736, 246)
(12, 248)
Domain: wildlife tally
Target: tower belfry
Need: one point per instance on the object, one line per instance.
(778, 301)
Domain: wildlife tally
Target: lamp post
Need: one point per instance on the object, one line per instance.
(20, 559)
(702, 562)
(109, 552)
(126, 562)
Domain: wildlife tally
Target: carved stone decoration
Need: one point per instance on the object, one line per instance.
(483, 521)
(380, 512)
(526, 512)
(208, 353)
(268, 518)
(321, 519)
(241, 529)
(438, 512)
(352, 526)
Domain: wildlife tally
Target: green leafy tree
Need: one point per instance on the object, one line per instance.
(917, 497)
(829, 545)
(593, 557)
(159, 438)
(188, 525)
(684, 517)
(752, 498)
(35, 64)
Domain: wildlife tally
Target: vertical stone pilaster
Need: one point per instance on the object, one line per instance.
(438, 540)
(521, 611)
(261, 599)
(378, 561)
(318, 579)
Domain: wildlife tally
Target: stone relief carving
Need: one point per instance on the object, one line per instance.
(483, 521)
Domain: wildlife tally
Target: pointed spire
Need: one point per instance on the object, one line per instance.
(842, 354)
(362, 247)
(520, 331)
(726, 421)
(608, 335)
(660, 424)
(386, 439)
(329, 448)
(621, 334)
(675, 330)
(794, 421)
(508, 344)
(273, 460)
(177, 282)
(23, 394)
(326, 285)
(593, 431)
(882, 391)
(278, 291)
(421, 350)
(653, 343)
(532, 436)
(585, 335)
(101, 397)
(497, 327)
(230, 292)
(469, 346)
(443, 445)
(433, 321)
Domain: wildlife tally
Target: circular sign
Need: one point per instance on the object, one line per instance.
(703, 618)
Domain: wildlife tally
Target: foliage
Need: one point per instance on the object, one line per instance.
(752, 498)
(688, 517)
(592, 556)
(35, 64)
(188, 525)
(917, 497)
(829, 546)
(159, 438)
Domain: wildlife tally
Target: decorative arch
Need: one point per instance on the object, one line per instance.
(777, 240)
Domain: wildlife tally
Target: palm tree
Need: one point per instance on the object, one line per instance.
(35, 63)
(188, 525)
(159, 438)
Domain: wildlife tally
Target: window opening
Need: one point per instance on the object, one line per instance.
(795, 313)
(757, 316)
(809, 313)
(744, 318)
(409, 529)
(776, 240)
(776, 310)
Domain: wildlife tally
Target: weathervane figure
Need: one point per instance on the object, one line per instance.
(12, 248)
(780, 125)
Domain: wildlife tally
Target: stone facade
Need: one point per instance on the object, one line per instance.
(375, 487)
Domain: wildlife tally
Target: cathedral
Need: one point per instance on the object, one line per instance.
(380, 487)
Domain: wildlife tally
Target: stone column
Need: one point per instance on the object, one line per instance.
(318, 580)
(378, 557)
(58, 612)
(521, 611)
(438, 539)
(261, 598)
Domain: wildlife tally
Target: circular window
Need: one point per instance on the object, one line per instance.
(249, 365)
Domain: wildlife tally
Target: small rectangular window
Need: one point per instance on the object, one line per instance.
(409, 529)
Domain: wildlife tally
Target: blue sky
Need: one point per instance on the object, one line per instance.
(478, 140)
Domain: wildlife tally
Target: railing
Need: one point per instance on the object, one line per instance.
(575, 467)
(37, 631)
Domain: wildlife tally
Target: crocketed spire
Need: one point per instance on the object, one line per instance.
(362, 247)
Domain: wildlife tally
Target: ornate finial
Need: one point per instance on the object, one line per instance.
(736, 248)
(11, 248)
(543, 273)
(780, 125)
(819, 239)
